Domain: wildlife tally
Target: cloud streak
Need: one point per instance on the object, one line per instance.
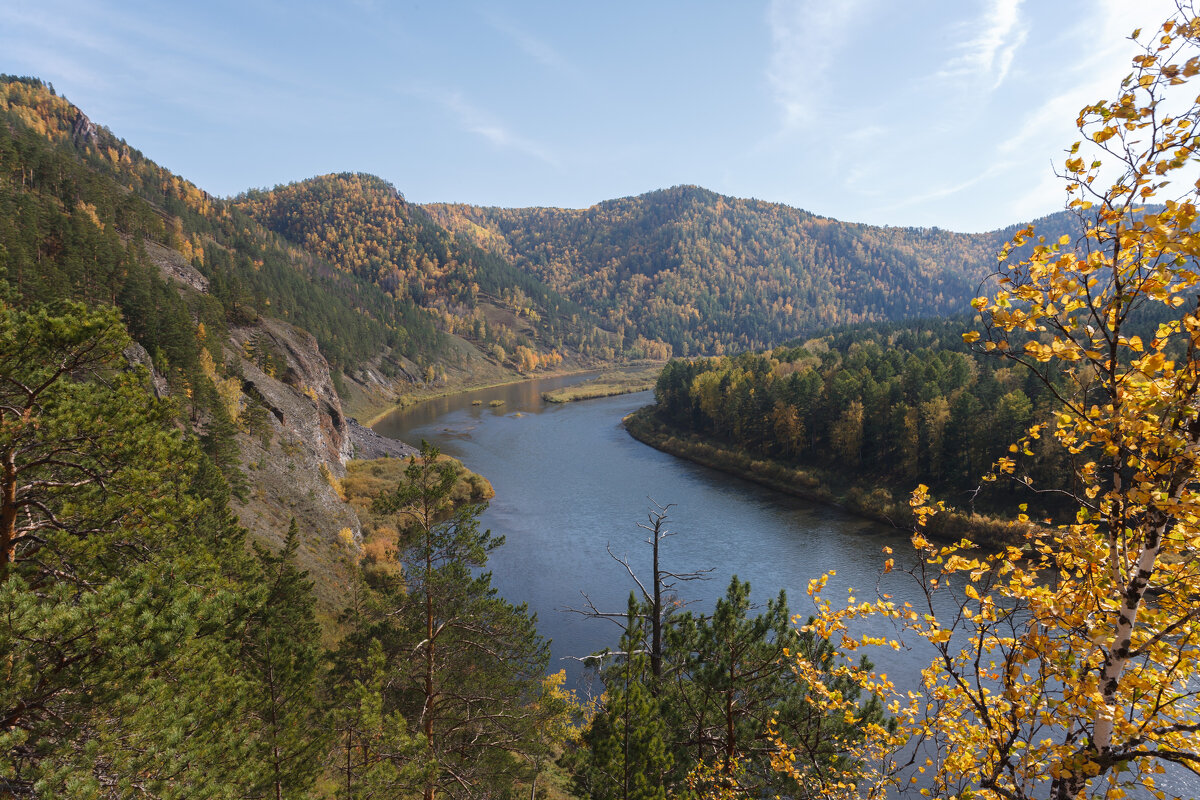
(477, 121)
(1092, 75)
(806, 38)
(991, 51)
(537, 49)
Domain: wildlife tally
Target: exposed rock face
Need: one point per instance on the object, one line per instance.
(302, 398)
(174, 267)
(297, 452)
(137, 356)
(366, 443)
(83, 131)
(294, 469)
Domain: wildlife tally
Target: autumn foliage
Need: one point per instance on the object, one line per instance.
(1067, 667)
(708, 274)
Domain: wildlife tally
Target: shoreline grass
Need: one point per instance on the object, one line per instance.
(608, 384)
(419, 396)
(871, 502)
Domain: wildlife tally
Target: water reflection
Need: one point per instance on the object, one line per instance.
(498, 401)
(571, 483)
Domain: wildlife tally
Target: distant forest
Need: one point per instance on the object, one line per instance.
(713, 275)
(875, 405)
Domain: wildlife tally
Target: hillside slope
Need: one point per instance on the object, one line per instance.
(236, 327)
(365, 227)
(711, 274)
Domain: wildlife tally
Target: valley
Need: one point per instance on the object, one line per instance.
(557, 552)
(317, 492)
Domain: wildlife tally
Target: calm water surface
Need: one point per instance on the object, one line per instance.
(571, 483)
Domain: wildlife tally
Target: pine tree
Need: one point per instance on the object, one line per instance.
(220, 443)
(119, 584)
(625, 755)
(468, 664)
(281, 654)
(375, 754)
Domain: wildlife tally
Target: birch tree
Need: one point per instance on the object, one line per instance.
(1067, 664)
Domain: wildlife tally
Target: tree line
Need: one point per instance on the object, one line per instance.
(72, 190)
(710, 275)
(364, 226)
(883, 406)
(147, 652)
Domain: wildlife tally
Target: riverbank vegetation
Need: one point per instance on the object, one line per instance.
(819, 485)
(861, 415)
(1067, 667)
(149, 648)
(608, 384)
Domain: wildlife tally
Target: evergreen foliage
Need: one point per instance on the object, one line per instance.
(462, 664)
(375, 754)
(879, 404)
(715, 717)
(625, 753)
(281, 655)
(710, 275)
(124, 588)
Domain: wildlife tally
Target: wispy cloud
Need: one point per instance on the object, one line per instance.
(537, 49)
(991, 50)
(806, 38)
(183, 59)
(1092, 75)
(949, 190)
(477, 121)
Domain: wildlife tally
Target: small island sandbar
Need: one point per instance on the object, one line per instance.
(627, 380)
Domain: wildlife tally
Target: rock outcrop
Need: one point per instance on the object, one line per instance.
(83, 131)
(366, 443)
(174, 267)
(295, 457)
(137, 356)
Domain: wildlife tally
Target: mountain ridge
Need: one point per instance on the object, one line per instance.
(704, 191)
(741, 273)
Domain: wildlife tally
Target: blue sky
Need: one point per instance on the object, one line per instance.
(904, 113)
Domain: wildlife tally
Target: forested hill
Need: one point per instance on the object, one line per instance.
(178, 533)
(711, 274)
(364, 226)
(64, 164)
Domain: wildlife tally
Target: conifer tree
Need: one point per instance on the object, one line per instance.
(625, 755)
(375, 755)
(282, 657)
(729, 685)
(119, 584)
(474, 672)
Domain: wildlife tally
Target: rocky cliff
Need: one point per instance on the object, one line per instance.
(295, 453)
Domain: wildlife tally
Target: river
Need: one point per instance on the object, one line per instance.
(571, 483)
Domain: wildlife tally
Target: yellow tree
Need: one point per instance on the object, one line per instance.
(1069, 666)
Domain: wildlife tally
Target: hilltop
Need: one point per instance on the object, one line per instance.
(709, 274)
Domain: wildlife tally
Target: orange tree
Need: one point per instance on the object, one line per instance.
(1067, 666)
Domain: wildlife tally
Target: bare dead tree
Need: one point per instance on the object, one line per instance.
(657, 594)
